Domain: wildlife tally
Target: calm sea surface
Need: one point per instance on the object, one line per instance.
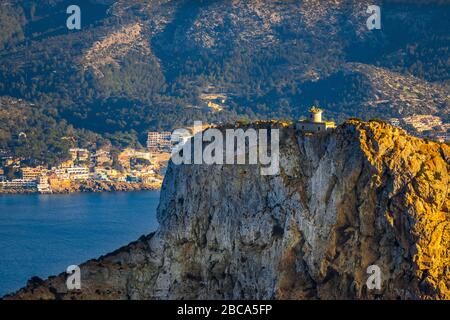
(43, 234)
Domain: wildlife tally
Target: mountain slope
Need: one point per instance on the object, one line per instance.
(31, 132)
(365, 194)
(145, 64)
(379, 93)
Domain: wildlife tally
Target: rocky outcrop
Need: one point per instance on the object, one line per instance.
(107, 186)
(363, 194)
(111, 48)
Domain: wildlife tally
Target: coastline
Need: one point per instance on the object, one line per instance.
(56, 231)
(91, 187)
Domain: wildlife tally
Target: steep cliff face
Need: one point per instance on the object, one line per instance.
(364, 194)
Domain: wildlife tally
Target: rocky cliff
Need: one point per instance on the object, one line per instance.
(364, 194)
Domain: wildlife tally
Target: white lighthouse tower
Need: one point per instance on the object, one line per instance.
(315, 122)
(316, 115)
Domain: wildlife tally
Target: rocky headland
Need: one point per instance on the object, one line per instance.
(91, 186)
(363, 194)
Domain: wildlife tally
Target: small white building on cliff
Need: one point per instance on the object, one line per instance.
(314, 123)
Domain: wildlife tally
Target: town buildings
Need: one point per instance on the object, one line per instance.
(101, 158)
(79, 154)
(425, 126)
(129, 156)
(18, 184)
(159, 141)
(423, 122)
(78, 173)
(135, 166)
(28, 173)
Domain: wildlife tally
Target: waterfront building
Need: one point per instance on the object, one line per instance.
(32, 173)
(101, 176)
(18, 184)
(150, 179)
(113, 173)
(61, 173)
(57, 183)
(78, 173)
(43, 185)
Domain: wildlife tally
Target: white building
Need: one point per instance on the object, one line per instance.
(101, 176)
(61, 173)
(78, 173)
(159, 141)
(43, 186)
(32, 173)
(18, 184)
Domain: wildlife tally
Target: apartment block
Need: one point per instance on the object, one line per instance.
(159, 141)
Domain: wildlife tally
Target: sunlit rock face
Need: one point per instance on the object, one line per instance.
(363, 194)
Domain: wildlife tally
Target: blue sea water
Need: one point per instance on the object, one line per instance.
(41, 235)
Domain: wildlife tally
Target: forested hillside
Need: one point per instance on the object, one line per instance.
(33, 133)
(147, 65)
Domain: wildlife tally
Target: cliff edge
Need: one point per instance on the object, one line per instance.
(363, 194)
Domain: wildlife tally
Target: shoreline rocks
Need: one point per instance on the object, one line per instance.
(92, 186)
